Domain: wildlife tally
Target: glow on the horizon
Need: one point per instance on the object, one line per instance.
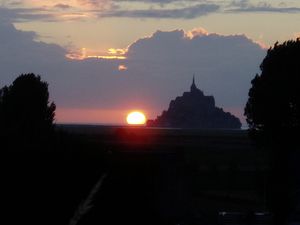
(136, 118)
(90, 116)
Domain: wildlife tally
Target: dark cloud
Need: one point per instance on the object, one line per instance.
(15, 3)
(239, 3)
(159, 68)
(157, 9)
(13, 15)
(94, 2)
(20, 53)
(90, 2)
(267, 9)
(62, 6)
(107, 8)
(25, 14)
(183, 13)
(246, 6)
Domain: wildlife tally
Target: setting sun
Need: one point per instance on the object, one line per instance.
(136, 118)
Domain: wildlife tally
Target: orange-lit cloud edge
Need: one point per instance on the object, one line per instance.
(121, 53)
(110, 54)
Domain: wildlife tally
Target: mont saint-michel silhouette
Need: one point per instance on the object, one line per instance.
(195, 110)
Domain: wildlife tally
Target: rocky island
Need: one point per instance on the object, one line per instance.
(195, 110)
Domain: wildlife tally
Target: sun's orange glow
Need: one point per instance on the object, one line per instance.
(136, 118)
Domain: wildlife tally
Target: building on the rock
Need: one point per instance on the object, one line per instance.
(195, 110)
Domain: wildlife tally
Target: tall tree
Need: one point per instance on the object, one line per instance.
(273, 107)
(25, 108)
(273, 116)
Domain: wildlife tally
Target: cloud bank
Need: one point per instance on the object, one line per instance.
(156, 69)
(244, 6)
(63, 10)
(182, 13)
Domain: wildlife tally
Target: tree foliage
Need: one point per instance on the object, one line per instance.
(273, 115)
(273, 106)
(25, 108)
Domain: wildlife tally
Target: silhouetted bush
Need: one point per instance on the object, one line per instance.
(25, 109)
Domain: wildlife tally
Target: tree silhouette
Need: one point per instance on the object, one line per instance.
(273, 115)
(24, 107)
(273, 107)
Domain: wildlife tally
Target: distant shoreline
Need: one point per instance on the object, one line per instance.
(243, 128)
(100, 129)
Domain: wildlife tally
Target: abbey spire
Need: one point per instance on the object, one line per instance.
(193, 86)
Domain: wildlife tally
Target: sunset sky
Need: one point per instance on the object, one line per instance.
(104, 58)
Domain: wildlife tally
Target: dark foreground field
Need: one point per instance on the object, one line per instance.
(150, 176)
